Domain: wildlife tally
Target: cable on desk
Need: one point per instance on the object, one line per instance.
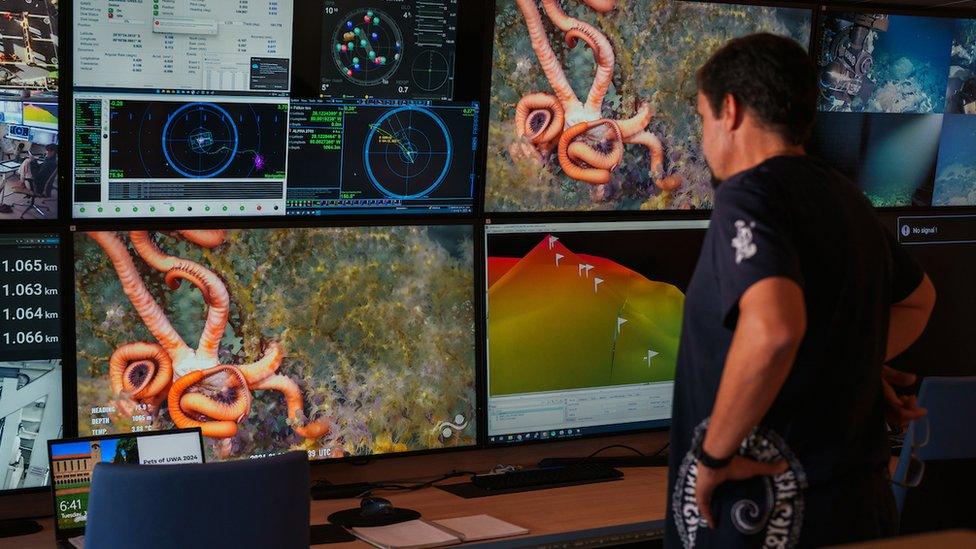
(406, 486)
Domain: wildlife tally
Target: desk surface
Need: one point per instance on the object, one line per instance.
(639, 497)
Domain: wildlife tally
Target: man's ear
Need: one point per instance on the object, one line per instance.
(733, 114)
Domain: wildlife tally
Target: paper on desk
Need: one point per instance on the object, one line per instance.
(480, 527)
(413, 534)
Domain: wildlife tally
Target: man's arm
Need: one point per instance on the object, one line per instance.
(907, 321)
(909, 317)
(770, 327)
(771, 324)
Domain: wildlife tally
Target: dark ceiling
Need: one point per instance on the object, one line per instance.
(960, 5)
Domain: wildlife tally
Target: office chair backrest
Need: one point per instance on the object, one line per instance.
(47, 177)
(949, 426)
(246, 503)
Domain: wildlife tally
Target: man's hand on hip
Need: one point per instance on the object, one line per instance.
(739, 469)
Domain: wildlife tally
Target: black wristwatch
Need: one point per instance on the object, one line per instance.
(709, 461)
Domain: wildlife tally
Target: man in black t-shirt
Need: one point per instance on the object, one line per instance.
(799, 297)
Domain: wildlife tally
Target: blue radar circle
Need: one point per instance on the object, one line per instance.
(407, 153)
(200, 140)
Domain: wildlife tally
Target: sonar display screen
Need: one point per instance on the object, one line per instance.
(388, 48)
(137, 155)
(335, 341)
(364, 156)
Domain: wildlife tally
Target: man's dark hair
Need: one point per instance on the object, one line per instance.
(51, 148)
(771, 75)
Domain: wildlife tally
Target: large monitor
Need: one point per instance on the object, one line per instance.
(552, 145)
(181, 109)
(896, 83)
(338, 341)
(391, 49)
(583, 323)
(381, 156)
(30, 347)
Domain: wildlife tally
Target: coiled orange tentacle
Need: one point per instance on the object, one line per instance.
(205, 406)
(637, 123)
(141, 370)
(206, 238)
(656, 152)
(539, 117)
(293, 400)
(210, 285)
(609, 161)
(601, 6)
(265, 367)
(602, 50)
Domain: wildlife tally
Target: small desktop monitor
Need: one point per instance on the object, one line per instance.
(357, 156)
(583, 325)
(73, 460)
(894, 83)
(30, 357)
(336, 341)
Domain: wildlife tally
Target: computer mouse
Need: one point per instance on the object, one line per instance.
(372, 506)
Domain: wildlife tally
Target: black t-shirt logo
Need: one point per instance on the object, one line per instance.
(767, 511)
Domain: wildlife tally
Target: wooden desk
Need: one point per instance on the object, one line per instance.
(639, 497)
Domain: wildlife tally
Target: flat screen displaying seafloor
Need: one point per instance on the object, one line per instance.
(334, 341)
(551, 145)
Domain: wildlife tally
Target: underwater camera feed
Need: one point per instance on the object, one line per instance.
(883, 63)
(872, 150)
(336, 341)
(604, 118)
(961, 94)
(955, 179)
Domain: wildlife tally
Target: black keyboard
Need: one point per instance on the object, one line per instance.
(546, 477)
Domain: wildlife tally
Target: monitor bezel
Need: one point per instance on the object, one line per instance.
(71, 416)
(60, 534)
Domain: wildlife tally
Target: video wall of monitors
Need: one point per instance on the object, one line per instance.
(360, 228)
(898, 106)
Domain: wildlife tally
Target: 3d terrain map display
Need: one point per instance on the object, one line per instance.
(559, 320)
